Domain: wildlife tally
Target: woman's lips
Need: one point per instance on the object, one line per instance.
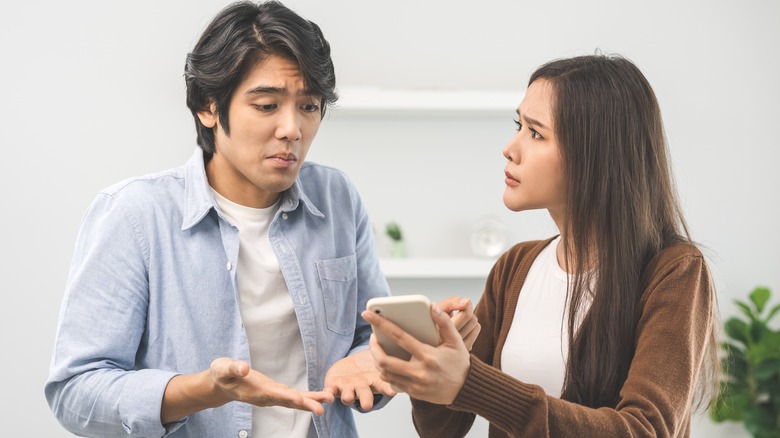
(510, 180)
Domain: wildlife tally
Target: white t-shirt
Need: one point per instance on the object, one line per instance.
(537, 345)
(268, 314)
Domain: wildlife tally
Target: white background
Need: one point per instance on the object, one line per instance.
(92, 92)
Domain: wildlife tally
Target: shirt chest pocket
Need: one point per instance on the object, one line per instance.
(338, 279)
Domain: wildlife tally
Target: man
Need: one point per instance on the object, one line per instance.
(239, 276)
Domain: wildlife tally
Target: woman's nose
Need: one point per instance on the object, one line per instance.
(512, 150)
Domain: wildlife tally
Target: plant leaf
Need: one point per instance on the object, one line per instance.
(733, 350)
(767, 348)
(757, 331)
(772, 342)
(772, 313)
(759, 297)
(730, 404)
(759, 420)
(734, 364)
(773, 388)
(766, 369)
(745, 309)
(737, 330)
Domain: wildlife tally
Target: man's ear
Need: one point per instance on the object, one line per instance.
(209, 116)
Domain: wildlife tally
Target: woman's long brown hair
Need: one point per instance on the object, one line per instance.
(622, 211)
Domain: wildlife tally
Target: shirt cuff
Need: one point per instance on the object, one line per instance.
(380, 400)
(358, 349)
(141, 402)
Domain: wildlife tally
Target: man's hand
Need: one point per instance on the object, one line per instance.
(229, 380)
(462, 313)
(354, 377)
(236, 381)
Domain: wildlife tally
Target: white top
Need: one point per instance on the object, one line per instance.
(537, 345)
(275, 344)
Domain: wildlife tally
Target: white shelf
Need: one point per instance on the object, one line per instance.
(432, 268)
(368, 101)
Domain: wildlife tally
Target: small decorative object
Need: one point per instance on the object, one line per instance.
(397, 244)
(750, 389)
(487, 238)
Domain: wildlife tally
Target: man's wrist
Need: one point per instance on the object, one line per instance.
(190, 393)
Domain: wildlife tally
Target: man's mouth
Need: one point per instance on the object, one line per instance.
(283, 160)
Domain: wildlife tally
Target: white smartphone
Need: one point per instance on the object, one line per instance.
(412, 313)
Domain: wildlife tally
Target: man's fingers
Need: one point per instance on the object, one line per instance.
(281, 395)
(332, 389)
(382, 387)
(320, 396)
(312, 406)
(307, 404)
(225, 369)
(366, 397)
(241, 368)
(347, 395)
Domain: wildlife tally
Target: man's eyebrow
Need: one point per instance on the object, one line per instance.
(263, 89)
(531, 121)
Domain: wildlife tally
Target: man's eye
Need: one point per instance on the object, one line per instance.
(268, 107)
(310, 108)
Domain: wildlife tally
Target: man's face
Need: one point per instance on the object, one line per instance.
(273, 120)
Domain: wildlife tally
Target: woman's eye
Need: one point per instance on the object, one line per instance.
(519, 125)
(310, 108)
(535, 134)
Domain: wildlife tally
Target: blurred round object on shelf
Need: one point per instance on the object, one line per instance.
(488, 238)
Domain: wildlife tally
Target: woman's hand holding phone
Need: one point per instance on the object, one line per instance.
(433, 373)
(411, 313)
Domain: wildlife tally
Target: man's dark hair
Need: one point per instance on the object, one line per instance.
(239, 37)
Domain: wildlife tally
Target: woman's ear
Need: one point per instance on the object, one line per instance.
(209, 117)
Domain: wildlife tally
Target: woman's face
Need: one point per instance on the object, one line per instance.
(534, 171)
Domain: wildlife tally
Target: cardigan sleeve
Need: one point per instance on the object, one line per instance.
(493, 311)
(655, 401)
(432, 420)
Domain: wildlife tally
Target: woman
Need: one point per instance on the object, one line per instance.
(608, 328)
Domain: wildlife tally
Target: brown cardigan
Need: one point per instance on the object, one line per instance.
(655, 401)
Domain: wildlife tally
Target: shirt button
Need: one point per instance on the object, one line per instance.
(284, 216)
(229, 266)
(243, 434)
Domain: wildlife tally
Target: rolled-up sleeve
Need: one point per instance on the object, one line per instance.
(93, 388)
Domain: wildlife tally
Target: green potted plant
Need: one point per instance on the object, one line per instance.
(750, 388)
(398, 247)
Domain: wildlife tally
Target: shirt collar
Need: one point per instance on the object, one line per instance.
(198, 199)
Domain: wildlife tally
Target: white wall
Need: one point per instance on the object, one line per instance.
(93, 93)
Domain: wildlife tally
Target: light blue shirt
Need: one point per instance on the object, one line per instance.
(152, 293)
